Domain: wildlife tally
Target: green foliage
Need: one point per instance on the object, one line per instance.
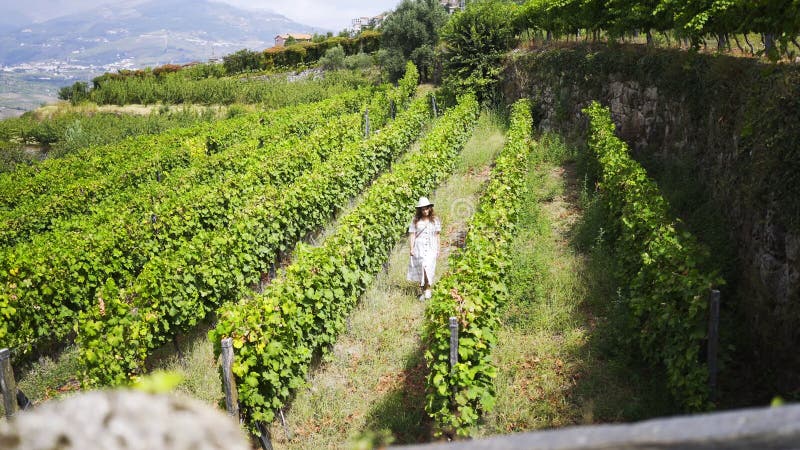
(203, 70)
(391, 62)
(76, 93)
(147, 90)
(368, 41)
(475, 41)
(358, 61)
(334, 59)
(666, 291)
(777, 20)
(270, 91)
(730, 141)
(57, 275)
(35, 197)
(414, 24)
(12, 155)
(242, 61)
(159, 382)
(309, 52)
(177, 288)
(65, 133)
(425, 58)
(755, 123)
(473, 291)
(294, 54)
(407, 84)
(277, 333)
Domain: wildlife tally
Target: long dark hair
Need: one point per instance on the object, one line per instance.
(418, 215)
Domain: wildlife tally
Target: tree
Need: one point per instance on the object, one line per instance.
(391, 62)
(76, 93)
(242, 61)
(475, 41)
(414, 24)
(425, 57)
(333, 59)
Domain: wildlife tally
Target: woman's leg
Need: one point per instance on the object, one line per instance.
(427, 290)
(424, 285)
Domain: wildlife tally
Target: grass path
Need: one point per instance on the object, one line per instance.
(559, 361)
(369, 388)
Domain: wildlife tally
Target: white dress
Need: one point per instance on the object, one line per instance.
(426, 250)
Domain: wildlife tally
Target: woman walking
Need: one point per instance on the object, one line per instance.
(423, 238)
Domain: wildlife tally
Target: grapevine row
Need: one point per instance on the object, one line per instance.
(473, 290)
(779, 21)
(56, 275)
(276, 334)
(665, 290)
(28, 183)
(58, 191)
(178, 288)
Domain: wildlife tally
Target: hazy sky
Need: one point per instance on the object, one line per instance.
(334, 15)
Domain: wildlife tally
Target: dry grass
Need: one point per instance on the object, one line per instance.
(62, 107)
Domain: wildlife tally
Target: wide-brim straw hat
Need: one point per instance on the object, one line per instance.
(423, 202)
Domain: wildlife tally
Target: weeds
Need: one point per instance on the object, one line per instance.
(561, 356)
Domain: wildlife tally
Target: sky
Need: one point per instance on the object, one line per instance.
(334, 15)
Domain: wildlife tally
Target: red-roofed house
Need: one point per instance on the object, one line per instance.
(280, 39)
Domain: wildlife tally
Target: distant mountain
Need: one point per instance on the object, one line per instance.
(143, 34)
(12, 20)
(42, 10)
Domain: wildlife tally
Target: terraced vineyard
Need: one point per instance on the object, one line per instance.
(67, 237)
(277, 333)
(123, 249)
(166, 297)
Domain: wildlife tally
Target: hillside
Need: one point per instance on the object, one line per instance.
(616, 235)
(151, 33)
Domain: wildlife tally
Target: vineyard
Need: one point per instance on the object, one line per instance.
(258, 258)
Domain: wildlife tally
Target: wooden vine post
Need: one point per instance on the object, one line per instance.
(453, 343)
(713, 341)
(232, 395)
(7, 383)
(228, 381)
(264, 438)
(453, 360)
(366, 123)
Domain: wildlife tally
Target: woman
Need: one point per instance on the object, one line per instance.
(423, 238)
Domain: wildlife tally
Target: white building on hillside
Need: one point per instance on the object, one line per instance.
(361, 23)
(452, 5)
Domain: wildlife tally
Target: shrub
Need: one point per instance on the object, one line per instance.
(333, 59)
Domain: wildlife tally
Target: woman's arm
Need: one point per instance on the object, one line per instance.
(411, 238)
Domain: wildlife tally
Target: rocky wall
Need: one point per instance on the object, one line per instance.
(735, 124)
